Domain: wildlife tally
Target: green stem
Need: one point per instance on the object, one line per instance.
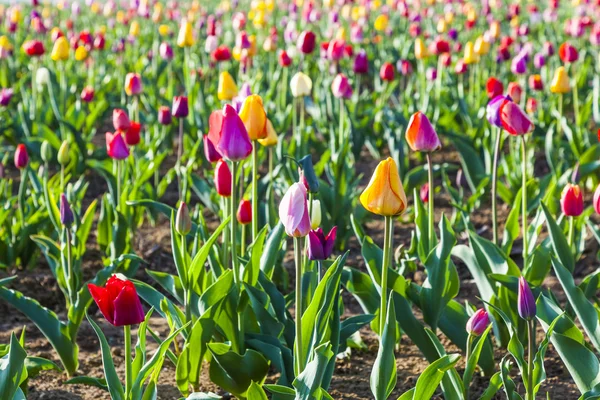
(524, 198)
(467, 356)
(70, 277)
(530, 352)
(430, 202)
(62, 178)
(21, 196)
(243, 241)
(234, 258)
(298, 260)
(271, 199)
(187, 292)
(495, 185)
(128, 366)
(255, 190)
(571, 232)
(179, 155)
(387, 252)
(118, 201)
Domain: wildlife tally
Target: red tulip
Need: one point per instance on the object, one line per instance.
(221, 53)
(87, 94)
(568, 53)
(132, 135)
(306, 42)
(244, 212)
(222, 179)
(34, 48)
(535, 82)
(531, 105)
(164, 115)
(571, 201)
(596, 200)
(386, 73)
(118, 301)
(515, 91)
(284, 59)
(494, 87)
(21, 157)
(513, 119)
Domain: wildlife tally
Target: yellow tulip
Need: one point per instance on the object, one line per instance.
(81, 53)
(5, 43)
(300, 85)
(271, 139)
(259, 19)
(46, 12)
(381, 22)
(252, 49)
(470, 56)
(60, 51)
(441, 26)
(482, 47)
(328, 3)
(134, 29)
(355, 14)
(270, 5)
(449, 17)
(560, 82)
(157, 12)
(495, 29)
(164, 30)
(15, 15)
(341, 33)
(227, 89)
(384, 194)
(236, 53)
(254, 117)
(120, 16)
(420, 49)
(185, 38)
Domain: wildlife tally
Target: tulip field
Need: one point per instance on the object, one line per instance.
(300, 199)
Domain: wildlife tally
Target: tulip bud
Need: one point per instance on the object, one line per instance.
(293, 211)
(284, 59)
(116, 148)
(132, 135)
(494, 87)
(21, 157)
(560, 82)
(164, 115)
(315, 215)
(420, 134)
(340, 87)
(535, 82)
(361, 63)
(424, 192)
(384, 195)
(478, 323)
(244, 212)
(63, 153)
(183, 222)
(254, 117)
(531, 106)
(223, 178)
(300, 85)
(87, 94)
(180, 107)
(66, 214)
(118, 301)
(568, 53)
(211, 154)
(571, 200)
(306, 42)
(596, 200)
(515, 91)
(228, 133)
(227, 89)
(133, 84)
(386, 72)
(525, 301)
(320, 246)
(46, 151)
(121, 120)
(60, 51)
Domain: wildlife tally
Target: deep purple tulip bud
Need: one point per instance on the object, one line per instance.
(453, 34)
(478, 323)
(361, 63)
(431, 74)
(518, 65)
(180, 107)
(66, 214)
(320, 246)
(525, 302)
(164, 115)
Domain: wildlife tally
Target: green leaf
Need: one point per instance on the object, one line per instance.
(308, 382)
(89, 381)
(430, 379)
(255, 392)
(493, 388)
(474, 358)
(112, 379)
(384, 374)
(12, 369)
(271, 250)
(559, 241)
(197, 265)
(170, 283)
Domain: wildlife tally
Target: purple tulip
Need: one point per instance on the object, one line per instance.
(5, 96)
(478, 323)
(492, 111)
(229, 135)
(431, 74)
(452, 33)
(166, 51)
(539, 60)
(180, 107)
(361, 63)
(341, 87)
(525, 302)
(518, 65)
(293, 211)
(66, 214)
(320, 246)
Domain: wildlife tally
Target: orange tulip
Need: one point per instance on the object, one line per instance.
(385, 195)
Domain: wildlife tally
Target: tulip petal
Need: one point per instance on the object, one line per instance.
(102, 299)
(127, 307)
(514, 120)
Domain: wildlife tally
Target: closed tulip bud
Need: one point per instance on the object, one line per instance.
(494, 87)
(121, 120)
(384, 194)
(63, 153)
(420, 134)
(596, 200)
(470, 56)
(227, 88)
(165, 51)
(293, 211)
(431, 74)
(340, 87)
(320, 246)
(46, 151)
(460, 67)
(164, 115)
(481, 47)
(567, 53)
(424, 192)
(180, 107)
(478, 323)
(228, 133)
(60, 51)
(514, 120)
(518, 65)
(87, 94)
(134, 29)
(515, 91)
(315, 215)
(531, 106)
(185, 37)
(535, 82)
(386, 72)
(132, 135)
(254, 117)
(34, 48)
(306, 42)
(420, 49)
(211, 154)
(222, 179)
(300, 85)
(571, 200)
(271, 139)
(183, 222)
(118, 301)
(284, 59)
(560, 82)
(5, 96)
(539, 60)
(21, 157)
(221, 53)
(361, 63)
(381, 23)
(525, 301)
(244, 212)
(133, 84)
(66, 214)
(81, 53)
(116, 148)
(335, 50)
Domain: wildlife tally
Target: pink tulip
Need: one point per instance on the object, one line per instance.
(116, 147)
(228, 133)
(293, 211)
(514, 120)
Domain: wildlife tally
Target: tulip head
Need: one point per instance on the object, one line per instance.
(535, 82)
(132, 135)
(118, 301)
(254, 117)
(514, 120)
(164, 115)
(244, 212)
(384, 194)
(228, 133)
(525, 301)
(492, 110)
(121, 120)
(386, 72)
(87, 94)
(306, 42)
(361, 63)
(320, 246)
(63, 153)
(133, 84)
(518, 65)
(180, 107)
(66, 214)
(494, 87)
(315, 214)
(5, 96)
(34, 48)
(567, 53)
(211, 154)
(478, 323)
(222, 179)
(81, 53)
(424, 192)
(284, 59)
(60, 50)
(571, 200)
(470, 56)
(340, 87)
(185, 38)
(166, 51)
(300, 85)
(227, 88)
(515, 91)
(271, 139)
(596, 200)
(293, 211)
(560, 82)
(420, 49)
(183, 222)
(420, 134)
(116, 148)
(21, 157)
